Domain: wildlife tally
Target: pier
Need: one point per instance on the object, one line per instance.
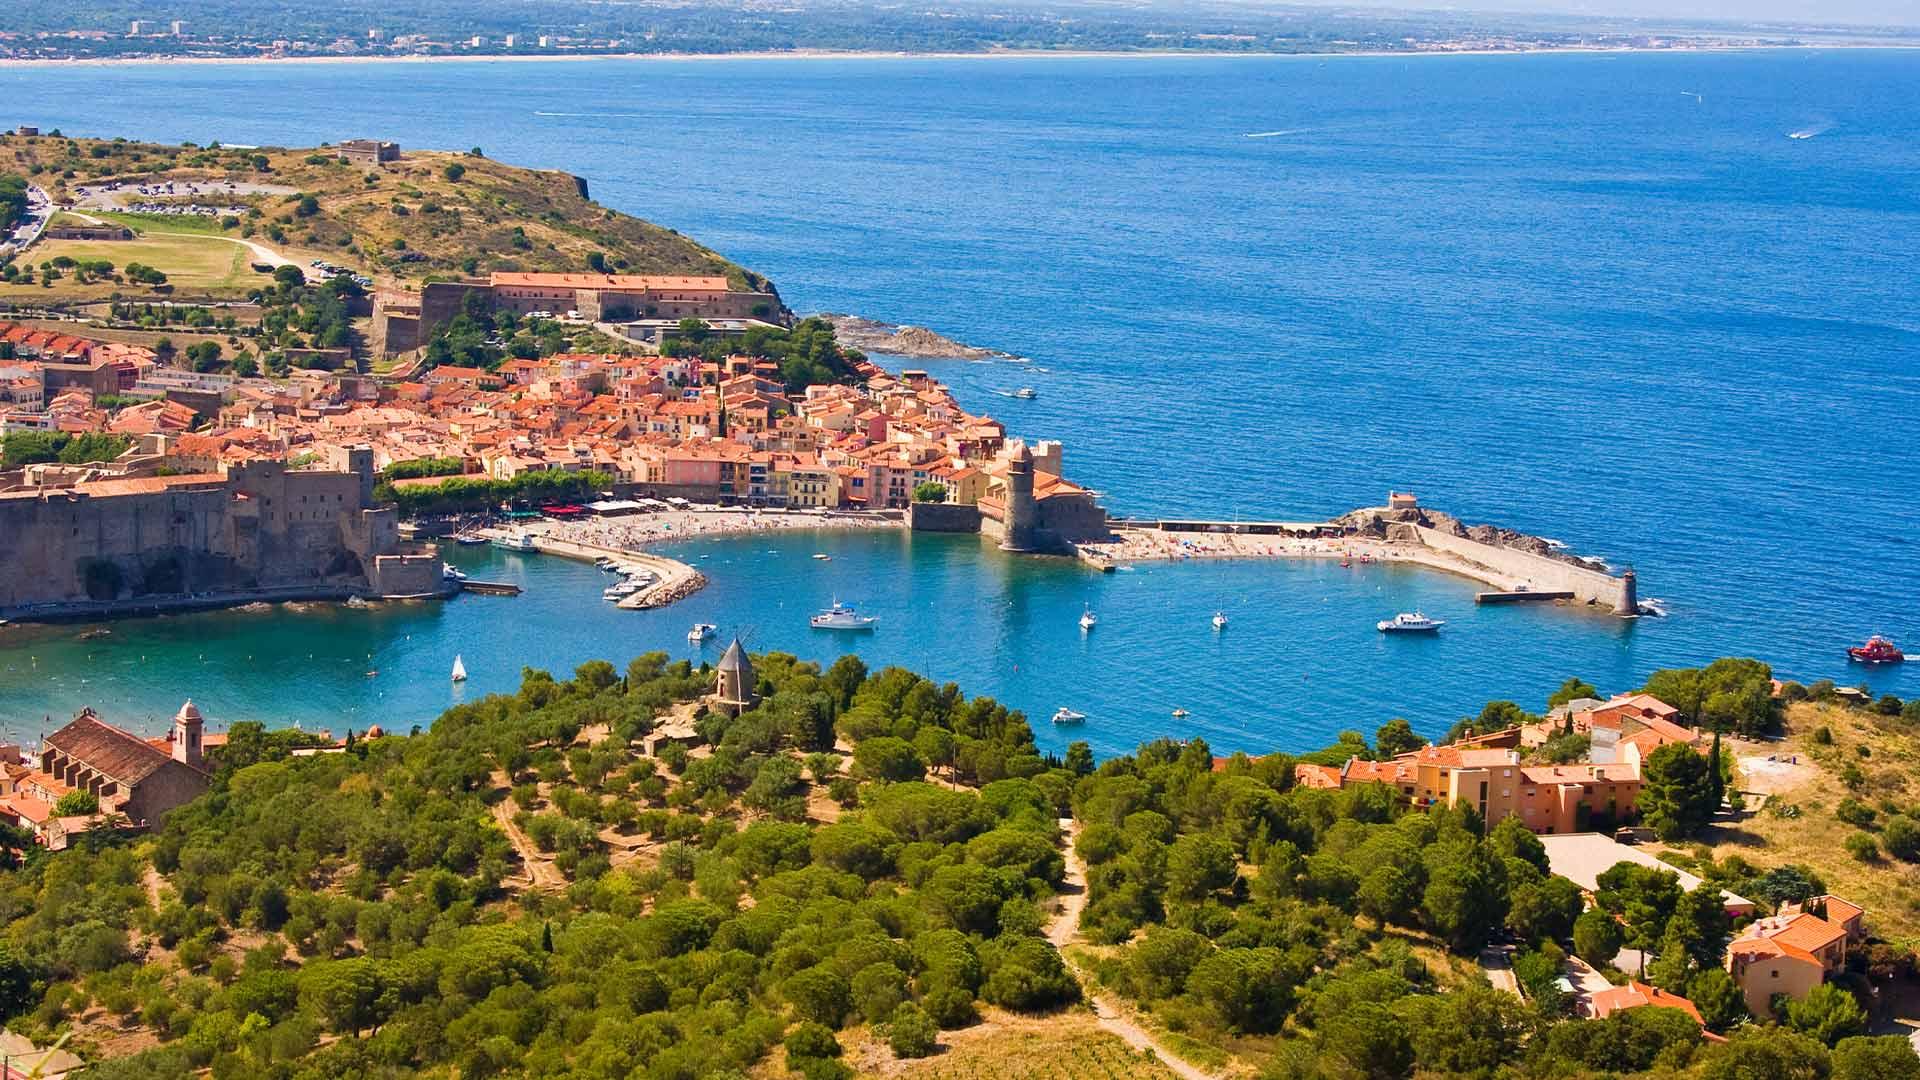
(490, 588)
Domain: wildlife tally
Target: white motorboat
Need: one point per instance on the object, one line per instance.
(1219, 620)
(606, 565)
(842, 617)
(1064, 715)
(702, 631)
(822, 556)
(459, 669)
(519, 541)
(450, 572)
(1026, 393)
(620, 591)
(1410, 622)
(1088, 620)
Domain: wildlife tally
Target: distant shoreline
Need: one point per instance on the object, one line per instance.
(1000, 54)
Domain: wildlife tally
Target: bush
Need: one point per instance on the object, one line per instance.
(1863, 847)
(1902, 838)
(912, 1033)
(811, 1040)
(1854, 812)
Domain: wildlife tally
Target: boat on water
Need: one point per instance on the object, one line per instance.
(1410, 622)
(842, 617)
(1219, 620)
(519, 541)
(1088, 620)
(1180, 714)
(822, 556)
(450, 572)
(459, 669)
(469, 540)
(621, 591)
(1064, 715)
(702, 631)
(1877, 650)
(1027, 393)
(606, 565)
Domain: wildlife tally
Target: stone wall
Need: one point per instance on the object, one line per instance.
(943, 518)
(1538, 572)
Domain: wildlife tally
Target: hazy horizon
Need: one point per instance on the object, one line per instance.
(1812, 12)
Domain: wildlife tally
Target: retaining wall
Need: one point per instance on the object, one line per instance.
(943, 518)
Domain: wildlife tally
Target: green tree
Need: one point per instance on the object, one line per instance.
(1827, 1014)
(1370, 1039)
(1676, 792)
(1887, 1057)
(454, 171)
(1466, 895)
(1766, 1053)
(77, 804)
(1199, 864)
(1718, 998)
(911, 1033)
(930, 491)
(888, 758)
(1597, 938)
(820, 995)
(1249, 990)
(1571, 690)
(1397, 737)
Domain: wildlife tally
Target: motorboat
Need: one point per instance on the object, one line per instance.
(459, 669)
(1088, 620)
(1179, 714)
(519, 541)
(1026, 393)
(1410, 622)
(606, 565)
(702, 631)
(450, 572)
(1064, 715)
(469, 540)
(842, 617)
(1219, 620)
(620, 591)
(1877, 650)
(822, 556)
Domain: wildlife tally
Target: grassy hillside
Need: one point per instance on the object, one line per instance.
(430, 214)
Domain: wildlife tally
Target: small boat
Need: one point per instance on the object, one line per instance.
(1179, 714)
(702, 631)
(1088, 620)
(606, 565)
(450, 572)
(1877, 650)
(842, 617)
(620, 591)
(459, 669)
(1346, 560)
(1219, 620)
(520, 541)
(1026, 393)
(469, 540)
(1064, 715)
(1410, 623)
(822, 556)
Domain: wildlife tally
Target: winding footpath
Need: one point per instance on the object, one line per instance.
(1064, 928)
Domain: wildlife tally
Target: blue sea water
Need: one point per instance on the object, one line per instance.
(1665, 308)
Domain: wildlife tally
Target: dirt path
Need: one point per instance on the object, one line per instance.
(541, 873)
(1113, 1015)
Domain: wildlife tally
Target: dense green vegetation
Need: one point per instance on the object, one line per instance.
(485, 336)
(436, 466)
(808, 353)
(19, 448)
(458, 494)
(520, 891)
(13, 201)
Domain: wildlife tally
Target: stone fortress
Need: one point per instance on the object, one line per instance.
(254, 530)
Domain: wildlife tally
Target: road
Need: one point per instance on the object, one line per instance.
(1064, 928)
(39, 212)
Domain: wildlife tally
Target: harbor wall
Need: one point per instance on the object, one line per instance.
(1537, 572)
(943, 518)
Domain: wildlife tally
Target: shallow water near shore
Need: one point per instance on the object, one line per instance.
(1559, 293)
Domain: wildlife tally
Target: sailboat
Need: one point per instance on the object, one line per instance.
(459, 669)
(1088, 620)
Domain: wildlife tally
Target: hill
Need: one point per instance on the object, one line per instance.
(428, 214)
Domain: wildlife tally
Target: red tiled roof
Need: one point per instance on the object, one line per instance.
(120, 755)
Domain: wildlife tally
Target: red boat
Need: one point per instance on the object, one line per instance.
(1877, 650)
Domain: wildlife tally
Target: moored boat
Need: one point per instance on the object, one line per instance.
(842, 617)
(1877, 650)
(450, 572)
(1410, 622)
(702, 631)
(519, 541)
(1219, 620)
(1088, 620)
(459, 669)
(1064, 715)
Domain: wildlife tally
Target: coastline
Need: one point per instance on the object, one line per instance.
(997, 54)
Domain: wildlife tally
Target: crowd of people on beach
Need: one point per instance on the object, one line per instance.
(1156, 544)
(639, 530)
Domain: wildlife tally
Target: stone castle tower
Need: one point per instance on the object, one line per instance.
(1023, 513)
(735, 692)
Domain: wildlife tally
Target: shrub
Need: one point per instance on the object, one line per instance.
(1863, 847)
(1854, 812)
(912, 1033)
(1902, 838)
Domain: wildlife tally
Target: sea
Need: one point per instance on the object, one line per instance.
(1662, 307)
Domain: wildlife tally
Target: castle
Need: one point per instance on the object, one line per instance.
(253, 527)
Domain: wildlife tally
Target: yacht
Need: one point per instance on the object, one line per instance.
(1088, 620)
(606, 565)
(1064, 715)
(842, 617)
(450, 572)
(519, 541)
(468, 539)
(459, 669)
(1410, 623)
(702, 631)
(1219, 620)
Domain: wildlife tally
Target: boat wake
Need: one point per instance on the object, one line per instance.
(1275, 134)
(1810, 132)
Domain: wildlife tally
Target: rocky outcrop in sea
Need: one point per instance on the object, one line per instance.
(1375, 522)
(871, 335)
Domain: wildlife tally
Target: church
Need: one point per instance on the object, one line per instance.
(133, 776)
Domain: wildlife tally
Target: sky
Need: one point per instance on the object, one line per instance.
(1818, 12)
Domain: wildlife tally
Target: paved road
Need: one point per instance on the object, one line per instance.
(39, 212)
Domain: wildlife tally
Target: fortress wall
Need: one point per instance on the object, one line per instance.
(943, 517)
(1538, 572)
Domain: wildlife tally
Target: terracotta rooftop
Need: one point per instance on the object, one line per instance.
(120, 755)
(607, 281)
(1636, 994)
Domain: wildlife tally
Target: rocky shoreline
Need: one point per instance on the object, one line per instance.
(871, 335)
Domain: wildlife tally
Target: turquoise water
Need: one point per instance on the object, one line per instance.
(1556, 292)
